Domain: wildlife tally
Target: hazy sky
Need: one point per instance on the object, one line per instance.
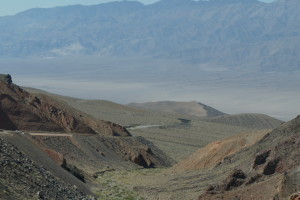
(12, 7)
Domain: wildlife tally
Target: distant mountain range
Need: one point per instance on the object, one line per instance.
(237, 34)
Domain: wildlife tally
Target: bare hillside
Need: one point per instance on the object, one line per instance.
(264, 169)
(215, 152)
(186, 108)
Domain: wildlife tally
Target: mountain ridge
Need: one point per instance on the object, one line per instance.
(244, 35)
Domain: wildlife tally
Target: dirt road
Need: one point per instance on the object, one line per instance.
(52, 134)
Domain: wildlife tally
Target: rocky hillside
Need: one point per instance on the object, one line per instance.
(56, 164)
(23, 111)
(266, 170)
(22, 178)
(215, 152)
(185, 108)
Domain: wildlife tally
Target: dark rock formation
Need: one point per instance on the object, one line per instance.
(270, 168)
(235, 179)
(261, 158)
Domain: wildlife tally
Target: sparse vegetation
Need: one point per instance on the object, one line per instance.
(114, 185)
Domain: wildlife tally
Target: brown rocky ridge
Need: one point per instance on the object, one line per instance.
(270, 169)
(21, 110)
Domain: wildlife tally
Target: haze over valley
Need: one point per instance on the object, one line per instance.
(146, 79)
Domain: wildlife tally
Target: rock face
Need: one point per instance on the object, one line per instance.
(270, 168)
(21, 178)
(24, 111)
